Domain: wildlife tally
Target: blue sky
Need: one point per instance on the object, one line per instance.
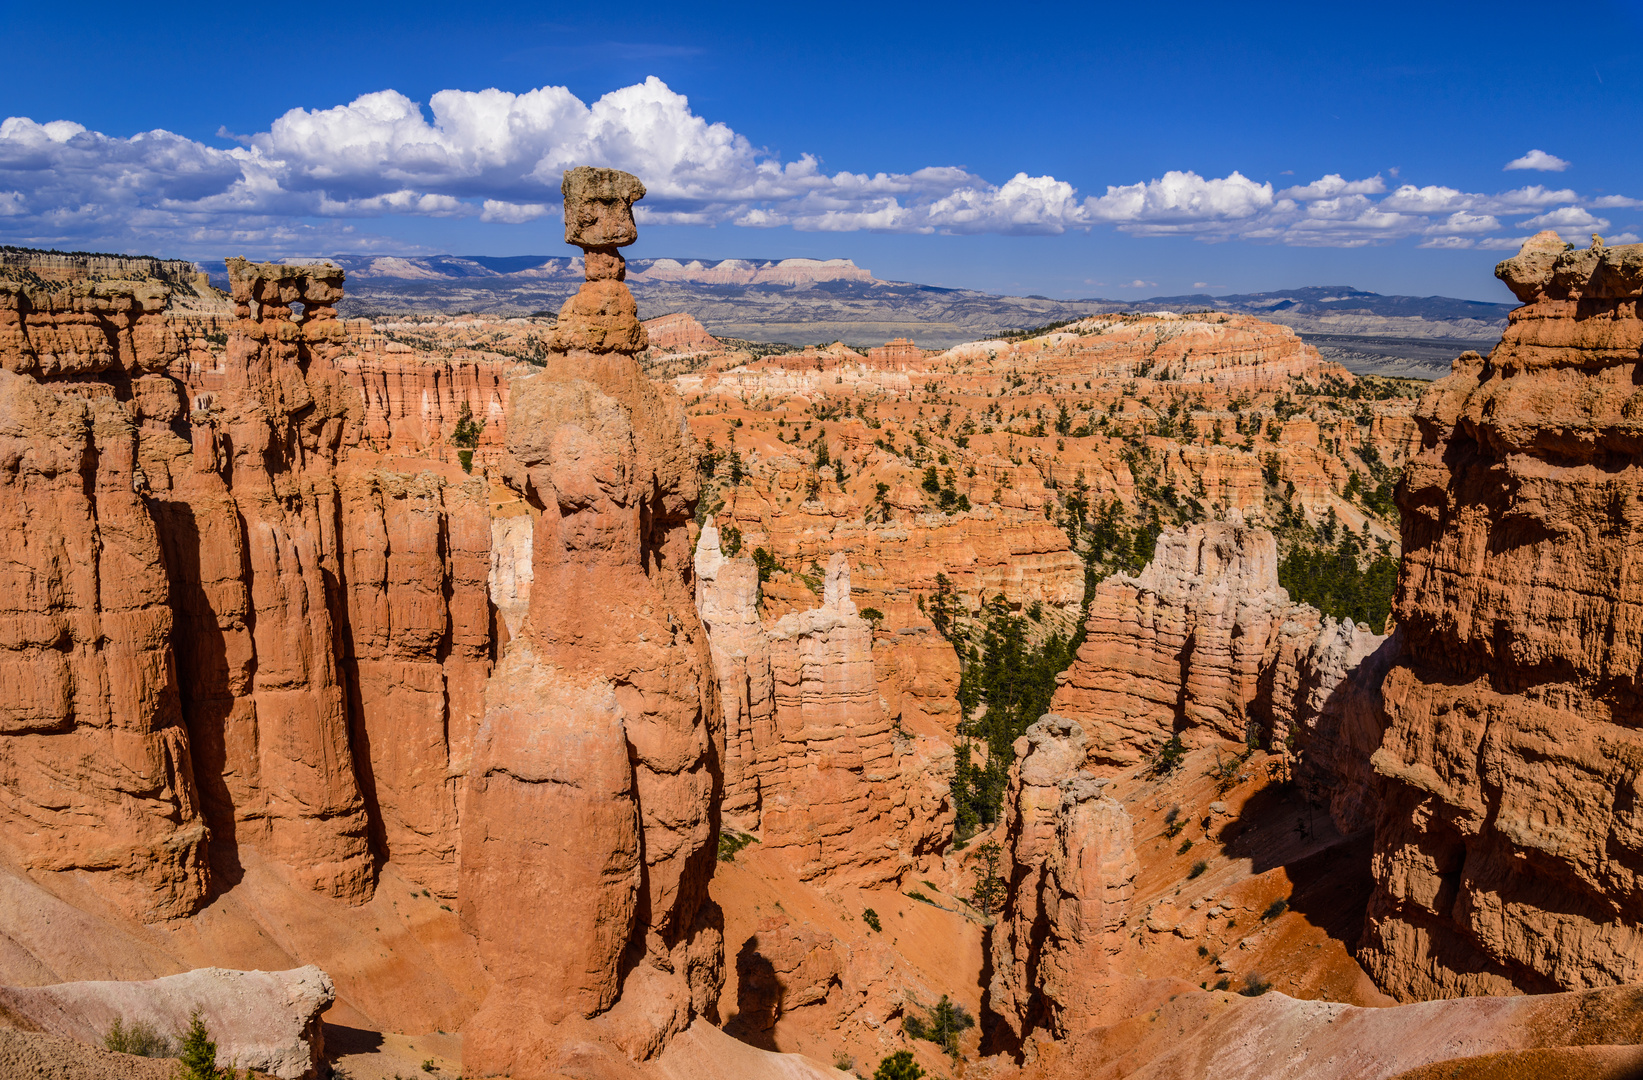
(1066, 150)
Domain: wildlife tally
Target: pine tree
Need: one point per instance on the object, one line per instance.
(199, 1053)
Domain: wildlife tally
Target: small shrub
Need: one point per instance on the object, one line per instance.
(1203, 950)
(730, 843)
(898, 1066)
(1173, 829)
(1255, 984)
(1168, 757)
(1275, 909)
(871, 918)
(468, 429)
(730, 541)
(1197, 868)
(1225, 771)
(140, 1039)
(843, 1061)
(1186, 846)
(1222, 983)
(941, 1024)
(428, 1065)
(989, 892)
(916, 895)
(766, 562)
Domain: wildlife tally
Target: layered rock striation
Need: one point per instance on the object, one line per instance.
(814, 760)
(1508, 848)
(1205, 645)
(255, 613)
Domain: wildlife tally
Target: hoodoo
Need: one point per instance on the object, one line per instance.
(1508, 845)
(1046, 687)
(256, 622)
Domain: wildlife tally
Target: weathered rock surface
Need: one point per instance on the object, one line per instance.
(814, 761)
(1508, 849)
(1069, 856)
(1204, 644)
(259, 618)
(263, 1020)
(727, 597)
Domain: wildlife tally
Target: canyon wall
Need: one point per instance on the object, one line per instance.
(258, 614)
(1508, 851)
(1103, 808)
(1203, 644)
(815, 762)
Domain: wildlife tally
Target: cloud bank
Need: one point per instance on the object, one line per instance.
(498, 157)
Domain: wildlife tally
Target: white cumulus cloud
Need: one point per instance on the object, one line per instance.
(498, 156)
(1570, 222)
(1539, 160)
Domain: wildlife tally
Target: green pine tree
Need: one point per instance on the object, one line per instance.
(198, 1055)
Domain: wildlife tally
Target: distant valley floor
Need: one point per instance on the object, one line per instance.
(805, 302)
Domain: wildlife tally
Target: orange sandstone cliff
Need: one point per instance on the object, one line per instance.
(1507, 851)
(258, 619)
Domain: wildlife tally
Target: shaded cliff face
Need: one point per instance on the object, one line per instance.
(1130, 870)
(259, 616)
(1508, 851)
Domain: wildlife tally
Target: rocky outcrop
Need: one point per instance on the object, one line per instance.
(1508, 847)
(1204, 644)
(256, 609)
(591, 805)
(1070, 866)
(1594, 1035)
(95, 765)
(263, 1020)
(679, 333)
(814, 761)
(113, 328)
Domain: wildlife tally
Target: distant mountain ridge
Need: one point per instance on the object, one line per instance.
(806, 301)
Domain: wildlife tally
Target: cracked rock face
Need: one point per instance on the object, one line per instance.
(255, 606)
(1508, 851)
(814, 761)
(1070, 867)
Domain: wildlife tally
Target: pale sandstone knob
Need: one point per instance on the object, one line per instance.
(599, 207)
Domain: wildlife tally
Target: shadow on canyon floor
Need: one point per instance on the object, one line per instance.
(1329, 873)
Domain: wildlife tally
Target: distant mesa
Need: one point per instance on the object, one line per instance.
(745, 272)
(698, 271)
(679, 333)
